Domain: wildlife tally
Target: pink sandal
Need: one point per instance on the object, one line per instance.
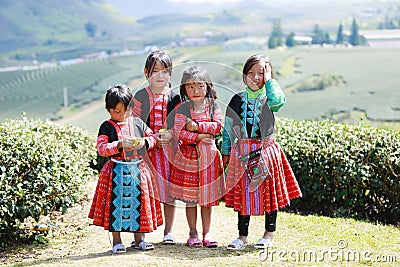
(194, 242)
(210, 243)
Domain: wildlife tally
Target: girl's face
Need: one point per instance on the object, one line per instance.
(255, 77)
(196, 90)
(159, 77)
(118, 113)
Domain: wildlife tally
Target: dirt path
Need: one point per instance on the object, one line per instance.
(79, 243)
(76, 242)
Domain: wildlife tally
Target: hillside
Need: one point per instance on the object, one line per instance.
(26, 24)
(52, 30)
(350, 88)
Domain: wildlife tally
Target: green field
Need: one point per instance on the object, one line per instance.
(40, 93)
(370, 82)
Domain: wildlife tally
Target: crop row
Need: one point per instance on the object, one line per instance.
(31, 90)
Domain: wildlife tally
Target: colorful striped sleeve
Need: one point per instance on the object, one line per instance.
(106, 149)
(213, 127)
(180, 131)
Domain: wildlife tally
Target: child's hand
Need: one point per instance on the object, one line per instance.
(138, 143)
(134, 143)
(191, 125)
(125, 143)
(267, 72)
(208, 138)
(163, 137)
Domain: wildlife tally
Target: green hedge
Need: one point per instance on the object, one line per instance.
(43, 167)
(344, 170)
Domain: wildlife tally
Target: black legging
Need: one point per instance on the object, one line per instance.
(243, 223)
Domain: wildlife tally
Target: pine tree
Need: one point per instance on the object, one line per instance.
(340, 36)
(276, 37)
(318, 35)
(90, 29)
(290, 42)
(326, 39)
(354, 38)
(272, 42)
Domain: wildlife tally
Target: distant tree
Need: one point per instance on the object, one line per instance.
(49, 42)
(276, 36)
(90, 29)
(389, 23)
(355, 38)
(320, 37)
(327, 38)
(340, 36)
(317, 35)
(272, 43)
(290, 42)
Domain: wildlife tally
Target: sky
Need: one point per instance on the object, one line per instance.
(204, 1)
(231, 1)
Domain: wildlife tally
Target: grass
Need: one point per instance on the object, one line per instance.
(299, 241)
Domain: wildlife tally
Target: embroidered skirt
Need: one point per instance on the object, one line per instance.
(271, 194)
(161, 162)
(197, 175)
(125, 199)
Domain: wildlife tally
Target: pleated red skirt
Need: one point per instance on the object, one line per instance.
(161, 158)
(271, 194)
(197, 175)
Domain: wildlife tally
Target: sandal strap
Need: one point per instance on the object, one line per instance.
(169, 238)
(145, 245)
(237, 243)
(118, 248)
(263, 243)
(194, 242)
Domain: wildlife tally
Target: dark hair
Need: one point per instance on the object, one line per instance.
(251, 61)
(160, 55)
(199, 74)
(119, 93)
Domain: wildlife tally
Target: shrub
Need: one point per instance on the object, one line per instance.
(317, 82)
(43, 167)
(344, 170)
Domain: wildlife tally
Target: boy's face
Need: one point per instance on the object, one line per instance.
(118, 113)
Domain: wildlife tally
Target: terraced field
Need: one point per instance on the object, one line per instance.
(369, 82)
(40, 93)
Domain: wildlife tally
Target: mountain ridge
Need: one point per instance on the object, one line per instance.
(50, 26)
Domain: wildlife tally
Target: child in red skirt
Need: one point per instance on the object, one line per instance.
(155, 105)
(125, 199)
(259, 178)
(196, 175)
